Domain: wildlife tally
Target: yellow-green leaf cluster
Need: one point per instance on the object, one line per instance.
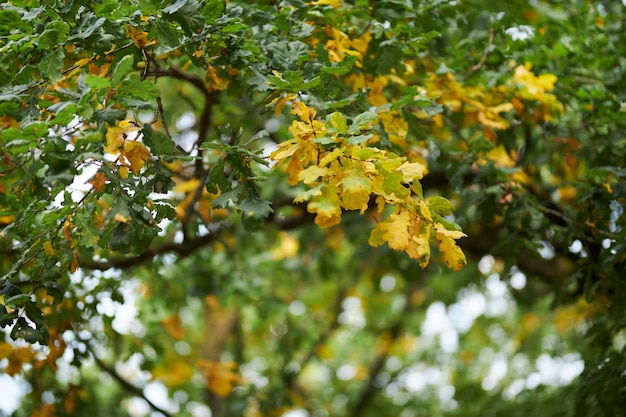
(349, 176)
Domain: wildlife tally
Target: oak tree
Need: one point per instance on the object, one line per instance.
(260, 207)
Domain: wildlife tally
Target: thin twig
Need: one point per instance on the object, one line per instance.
(291, 379)
(182, 249)
(562, 216)
(130, 388)
(162, 114)
(394, 332)
(179, 74)
(483, 59)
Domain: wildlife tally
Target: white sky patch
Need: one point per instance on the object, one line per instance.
(486, 264)
(394, 363)
(297, 308)
(296, 413)
(520, 33)
(517, 280)
(437, 321)
(514, 389)
(13, 389)
(79, 186)
(157, 393)
(419, 376)
(131, 370)
(546, 251)
(252, 372)
(471, 305)
(497, 371)
(495, 287)
(186, 140)
(272, 124)
(449, 341)
(268, 148)
(198, 409)
(387, 283)
(346, 372)
(186, 121)
(125, 315)
(498, 302)
(136, 407)
(561, 370)
(352, 314)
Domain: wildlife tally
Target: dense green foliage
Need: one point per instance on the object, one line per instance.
(329, 208)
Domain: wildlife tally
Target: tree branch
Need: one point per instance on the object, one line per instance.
(182, 249)
(393, 333)
(480, 63)
(290, 380)
(130, 388)
(179, 74)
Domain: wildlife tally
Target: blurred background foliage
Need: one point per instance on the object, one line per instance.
(172, 305)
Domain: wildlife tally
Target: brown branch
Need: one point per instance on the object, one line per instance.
(392, 335)
(483, 59)
(127, 386)
(554, 271)
(182, 249)
(290, 380)
(210, 99)
(203, 128)
(162, 114)
(179, 74)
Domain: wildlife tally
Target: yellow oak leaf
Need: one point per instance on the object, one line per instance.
(74, 263)
(286, 149)
(377, 235)
(356, 189)
(214, 82)
(306, 154)
(175, 373)
(326, 206)
(114, 139)
(46, 410)
(311, 174)
(452, 253)
(99, 181)
(116, 136)
(490, 117)
(174, 326)
(535, 85)
(331, 156)
(17, 359)
(48, 249)
(500, 157)
(419, 247)
(338, 46)
(286, 248)
(397, 230)
(139, 37)
(412, 171)
(280, 102)
(307, 130)
(5, 350)
(188, 188)
(306, 195)
(425, 211)
(220, 376)
(304, 112)
(136, 154)
(333, 3)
